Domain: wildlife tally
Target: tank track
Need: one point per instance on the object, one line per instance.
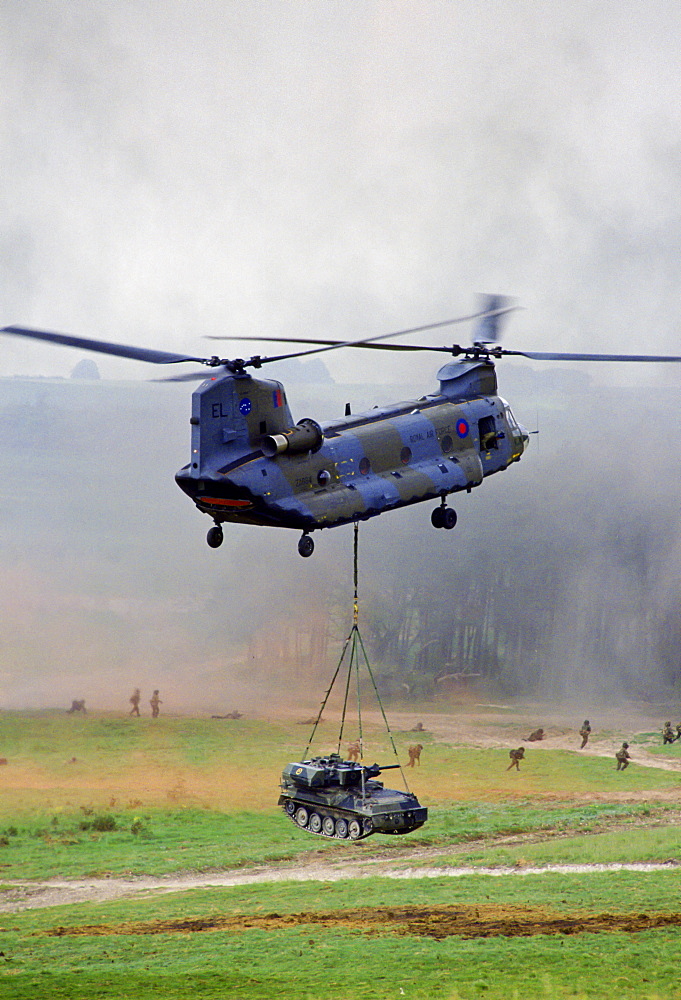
(356, 828)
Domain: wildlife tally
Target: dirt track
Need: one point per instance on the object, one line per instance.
(16, 896)
(438, 922)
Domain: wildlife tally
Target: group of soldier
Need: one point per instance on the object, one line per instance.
(135, 698)
(622, 756)
(154, 701)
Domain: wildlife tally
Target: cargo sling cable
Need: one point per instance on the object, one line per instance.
(332, 797)
(354, 643)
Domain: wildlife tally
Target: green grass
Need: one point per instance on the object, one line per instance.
(258, 966)
(656, 845)
(146, 842)
(53, 737)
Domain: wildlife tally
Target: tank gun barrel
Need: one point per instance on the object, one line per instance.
(373, 770)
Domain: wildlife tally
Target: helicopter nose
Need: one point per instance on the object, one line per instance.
(525, 436)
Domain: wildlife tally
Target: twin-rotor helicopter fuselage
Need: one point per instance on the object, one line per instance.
(250, 463)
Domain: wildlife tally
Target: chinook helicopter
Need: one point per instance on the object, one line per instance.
(251, 463)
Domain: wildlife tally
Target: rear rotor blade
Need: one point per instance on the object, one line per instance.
(186, 377)
(559, 356)
(101, 346)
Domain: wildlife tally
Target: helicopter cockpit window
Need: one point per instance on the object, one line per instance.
(512, 422)
(488, 433)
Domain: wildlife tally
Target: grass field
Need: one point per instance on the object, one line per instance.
(101, 798)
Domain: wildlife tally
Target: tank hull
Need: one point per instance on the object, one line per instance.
(336, 799)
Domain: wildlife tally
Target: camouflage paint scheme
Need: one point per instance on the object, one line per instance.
(359, 466)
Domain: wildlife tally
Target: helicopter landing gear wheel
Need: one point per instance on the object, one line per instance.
(215, 536)
(443, 517)
(305, 546)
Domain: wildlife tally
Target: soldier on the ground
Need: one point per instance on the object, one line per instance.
(538, 734)
(678, 731)
(623, 757)
(135, 702)
(668, 733)
(585, 732)
(77, 706)
(155, 701)
(418, 728)
(516, 756)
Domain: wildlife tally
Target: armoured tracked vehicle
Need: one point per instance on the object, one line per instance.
(332, 797)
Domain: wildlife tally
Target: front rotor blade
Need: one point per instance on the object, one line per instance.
(333, 343)
(101, 346)
(381, 336)
(559, 356)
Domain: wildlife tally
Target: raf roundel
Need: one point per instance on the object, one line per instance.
(462, 428)
(245, 406)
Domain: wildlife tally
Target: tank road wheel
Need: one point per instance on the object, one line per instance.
(215, 536)
(354, 829)
(449, 518)
(301, 816)
(437, 518)
(315, 823)
(341, 828)
(290, 807)
(328, 826)
(305, 546)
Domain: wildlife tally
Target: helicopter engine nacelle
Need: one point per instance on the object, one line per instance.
(307, 435)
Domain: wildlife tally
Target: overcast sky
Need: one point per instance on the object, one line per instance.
(340, 168)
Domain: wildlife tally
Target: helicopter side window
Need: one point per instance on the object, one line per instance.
(488, 433)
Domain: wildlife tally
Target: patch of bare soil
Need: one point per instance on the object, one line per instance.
(415, 921)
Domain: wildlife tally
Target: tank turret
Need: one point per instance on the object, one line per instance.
(332, 797)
